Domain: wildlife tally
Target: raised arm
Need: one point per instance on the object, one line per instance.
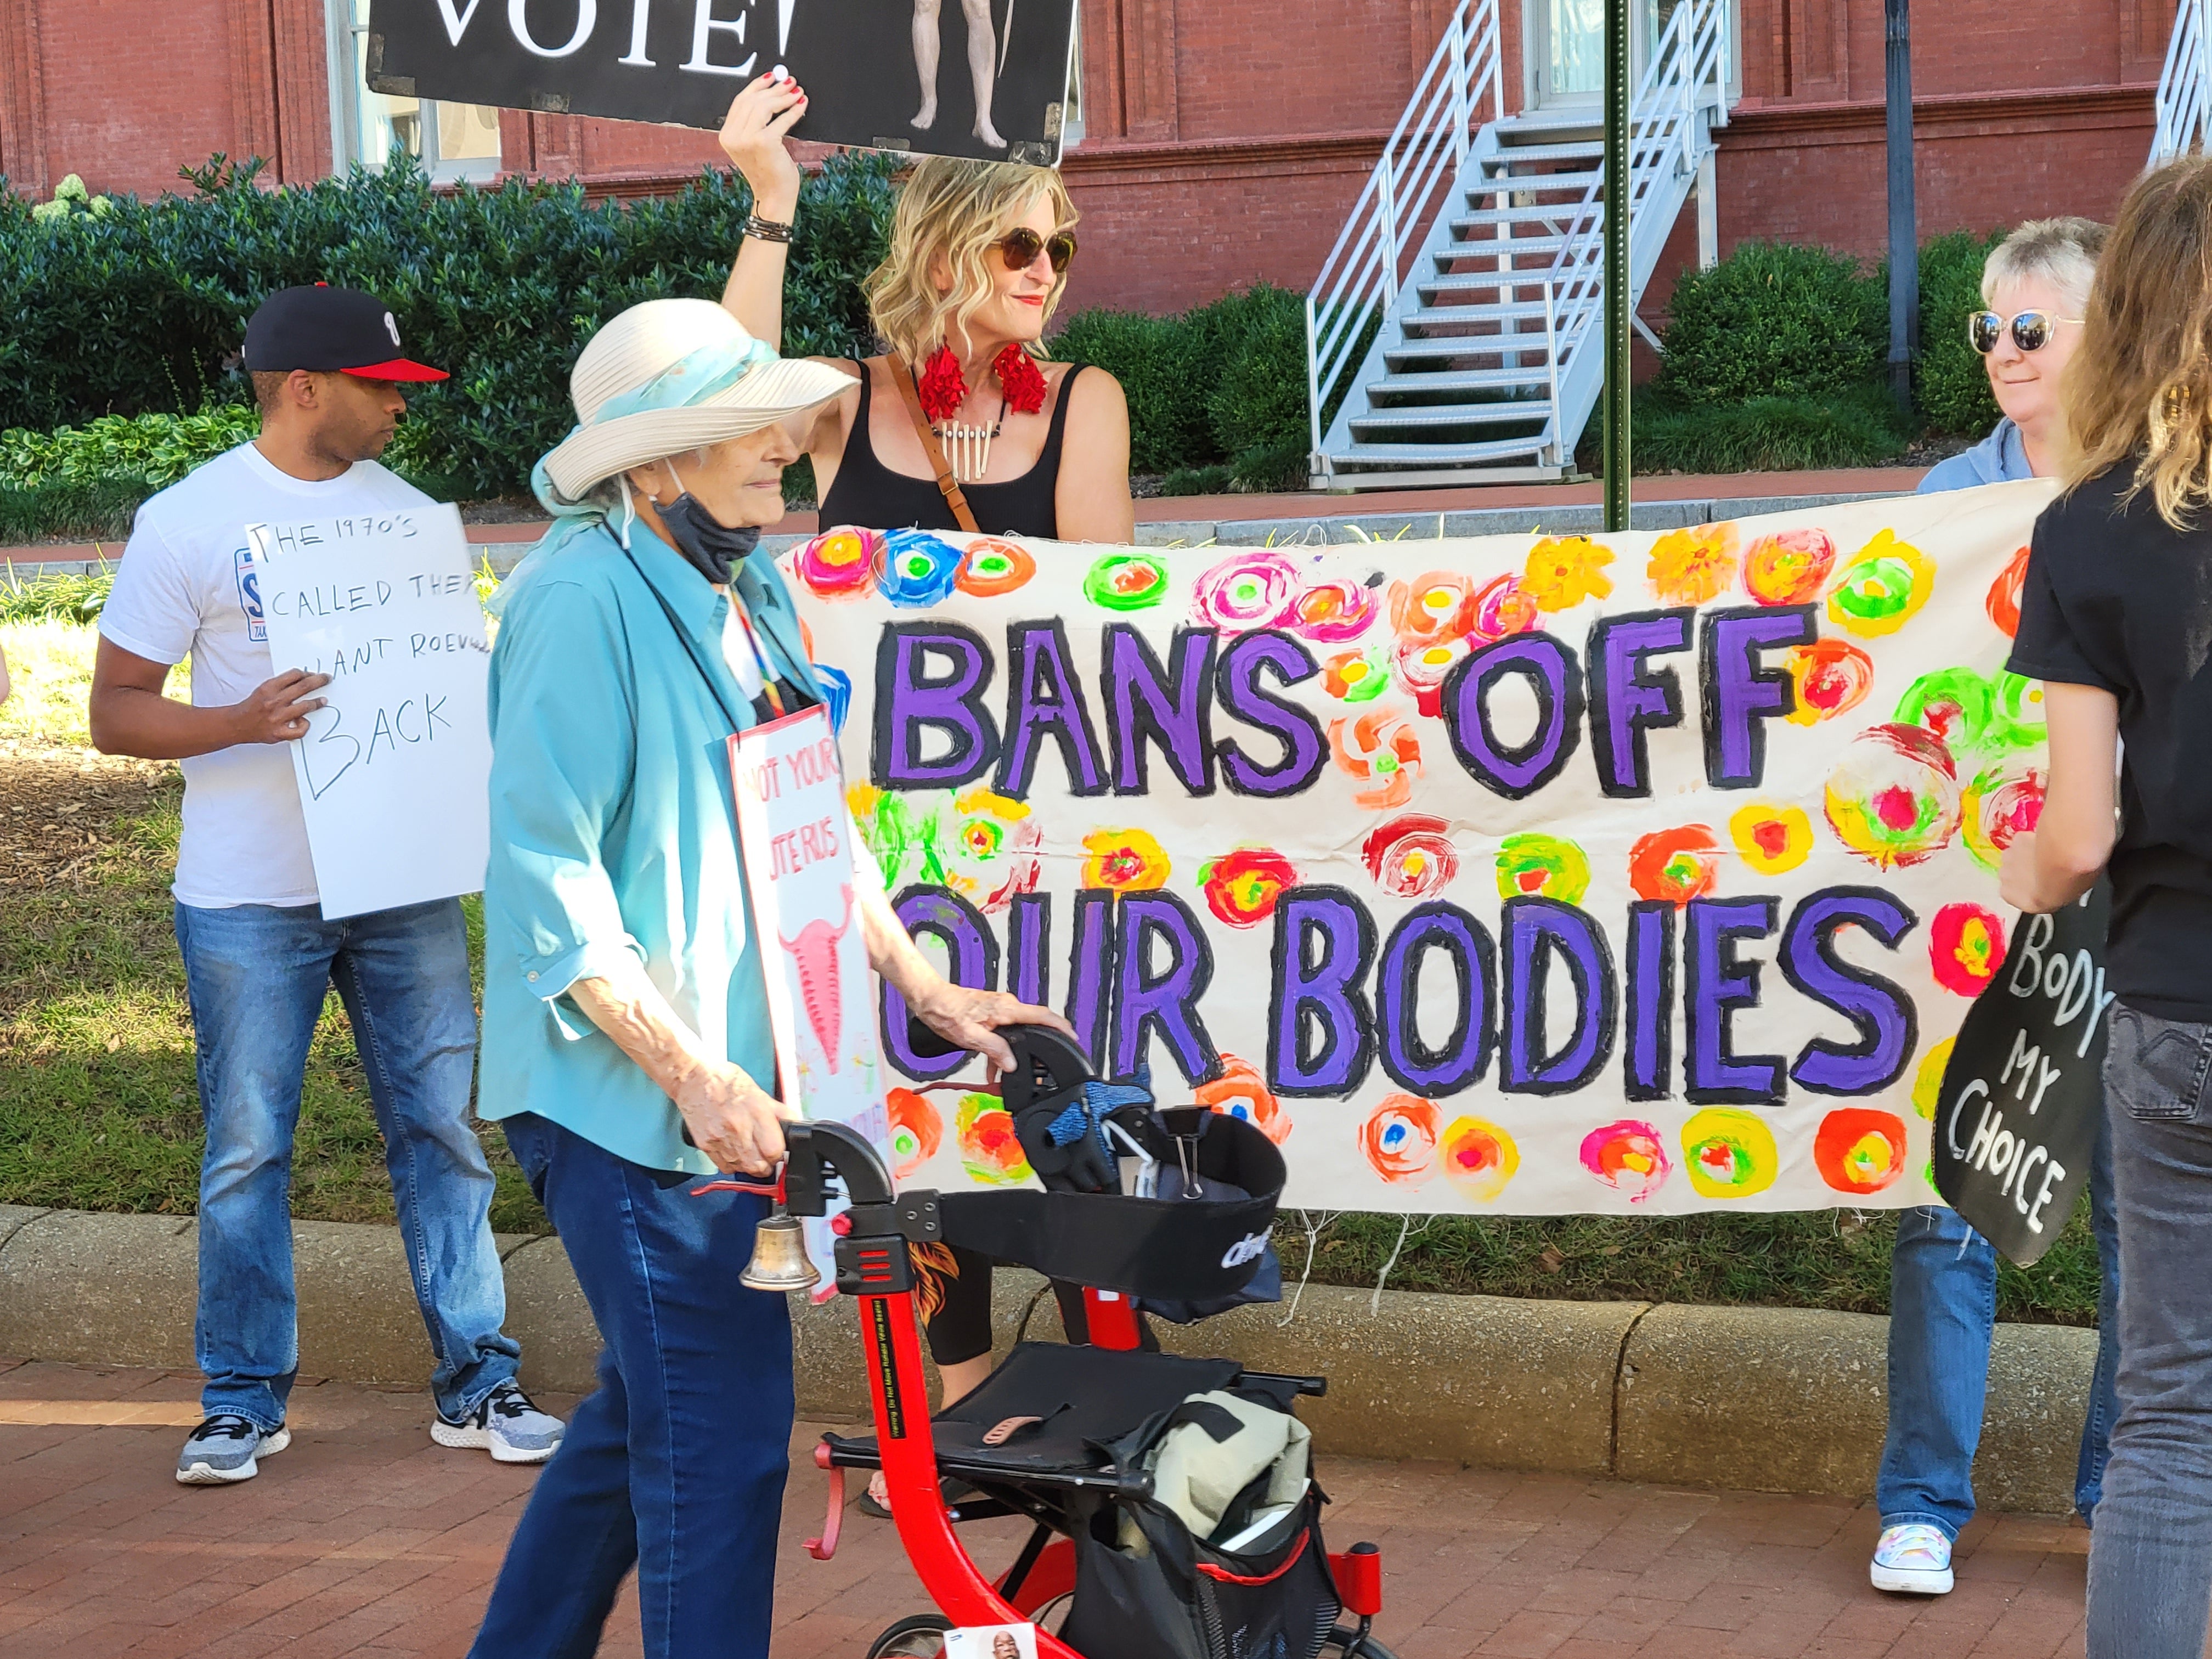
(753, 138)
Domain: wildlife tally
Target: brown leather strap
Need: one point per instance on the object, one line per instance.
(902, 378)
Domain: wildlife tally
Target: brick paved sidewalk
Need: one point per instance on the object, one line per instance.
(363, 1540)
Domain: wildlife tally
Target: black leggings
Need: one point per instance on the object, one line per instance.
(961, 1330)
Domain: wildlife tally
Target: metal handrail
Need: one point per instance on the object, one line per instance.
(2184, 85)
(1365, 270)
(1687, 72)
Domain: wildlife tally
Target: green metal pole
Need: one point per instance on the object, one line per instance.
(1618, 301)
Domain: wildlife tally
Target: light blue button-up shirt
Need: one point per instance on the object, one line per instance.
(613, 830)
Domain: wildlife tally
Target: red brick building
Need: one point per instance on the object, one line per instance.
(1221, 142)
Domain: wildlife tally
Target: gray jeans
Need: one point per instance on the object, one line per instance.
(2150, 1558)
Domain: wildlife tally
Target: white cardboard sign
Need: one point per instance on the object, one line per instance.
(798, 852)
(393, 772)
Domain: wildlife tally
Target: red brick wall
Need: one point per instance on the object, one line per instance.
(1225, 143)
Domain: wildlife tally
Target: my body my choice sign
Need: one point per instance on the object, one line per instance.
(1637, 873)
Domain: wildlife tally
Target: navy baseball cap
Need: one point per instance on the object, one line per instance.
(329, 330)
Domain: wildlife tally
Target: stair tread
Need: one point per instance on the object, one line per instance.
(1535, 181)
(1476, 282)
(1535, 213)
(1507, 155)
(1464, 379)
(1493, 247)
(1432, 345)
(1410, 454)
(1450, 415)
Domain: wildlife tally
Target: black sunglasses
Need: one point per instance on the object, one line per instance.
(1020, 247)
(2031, 329)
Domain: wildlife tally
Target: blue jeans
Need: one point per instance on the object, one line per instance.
(2150, 1561)
(676, 1462)
(256, 975)
(1943, 1310)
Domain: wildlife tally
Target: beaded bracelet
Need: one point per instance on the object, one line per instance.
(769, 230)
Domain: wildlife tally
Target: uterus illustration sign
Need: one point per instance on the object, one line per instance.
(804, 887)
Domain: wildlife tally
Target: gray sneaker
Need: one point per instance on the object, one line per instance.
(228, 1448)
(505, 1424)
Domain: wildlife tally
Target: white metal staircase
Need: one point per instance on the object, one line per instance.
(1455, 332)
(2185, 86)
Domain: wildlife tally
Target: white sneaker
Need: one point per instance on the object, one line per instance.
(506, 1424)
(226, 1448)
(1913, 1559)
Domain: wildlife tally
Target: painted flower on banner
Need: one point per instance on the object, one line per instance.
(1477, 1157)
(1502, 607)
(919, 569)
(1565, 571)
(1676, 865)
(990, 1151)
(1126, 861)
(1382, 747)
(994, 567)
(1828, 675)
(1411, 856)
(1790, 567)
(1242, 887)
(1966, 948)
(1537, 865)
(1423, 666)
(899, 832)
(1628, 1157)
(917, 1129)
(1400, 1139)
(1773, 839)
(1332, 611)
(2003, 601)
(1858, 1150)
(1895, 798)
(1970, 711)
(840, 564)
(1248, 589)
(1355, 676)
(1126, 581)
(1996, 810)
(1883, 588)
(1242, 1091)
(1690, 566)
(1729, 1153)
(994, 851)
(1439, 605)
(1928, 1078)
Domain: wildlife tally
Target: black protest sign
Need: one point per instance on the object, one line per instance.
(985, 79)
(2016, 1118)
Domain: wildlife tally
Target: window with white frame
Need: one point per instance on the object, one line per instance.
(454, 141)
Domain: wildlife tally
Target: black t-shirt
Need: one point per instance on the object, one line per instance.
(2118, 600)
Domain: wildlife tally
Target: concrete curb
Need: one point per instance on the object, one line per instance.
(1758, 1398)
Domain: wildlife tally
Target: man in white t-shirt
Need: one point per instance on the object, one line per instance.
(258, 957)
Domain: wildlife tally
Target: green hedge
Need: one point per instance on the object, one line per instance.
(1774, 319)
(137, 310)
(1220, 389)
(1948, 381)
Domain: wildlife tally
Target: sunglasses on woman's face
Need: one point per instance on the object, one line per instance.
(1020, 247)
(2031, 329)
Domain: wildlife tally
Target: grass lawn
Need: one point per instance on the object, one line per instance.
(98, 1110)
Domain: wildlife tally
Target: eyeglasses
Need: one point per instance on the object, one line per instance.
(1020, 247)
(2031, 329)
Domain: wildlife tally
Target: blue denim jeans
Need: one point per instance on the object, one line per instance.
(1943, 1310)
(256, 975)
(2150, 1561)
(675, 1463)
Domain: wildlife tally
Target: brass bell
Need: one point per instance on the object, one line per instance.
(780, 1260)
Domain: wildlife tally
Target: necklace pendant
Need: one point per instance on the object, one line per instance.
(967, 450)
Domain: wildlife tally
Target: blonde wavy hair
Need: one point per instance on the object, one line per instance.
(954, 210)
(2139, 390)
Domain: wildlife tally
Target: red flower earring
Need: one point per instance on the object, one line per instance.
(943, 388)
(1020, 379)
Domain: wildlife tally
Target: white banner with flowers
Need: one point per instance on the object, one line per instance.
(1637, 873)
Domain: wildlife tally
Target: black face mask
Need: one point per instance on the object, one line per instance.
(710, 547)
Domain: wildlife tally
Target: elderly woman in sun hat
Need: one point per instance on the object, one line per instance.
(626, 1033)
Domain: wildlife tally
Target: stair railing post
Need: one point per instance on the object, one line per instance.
(1313, 394)
(1460, 110)
(1619, 188)
(1386, 205)
(1551, 364)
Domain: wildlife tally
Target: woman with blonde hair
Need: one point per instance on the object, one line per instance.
(2116, 620)
(962, 424)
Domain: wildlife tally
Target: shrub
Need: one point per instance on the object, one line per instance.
(1950, 383)
(1860, 428)
(1258, 406)
(1774, 319)
(159, 449)
(90, 509)
(139, 309)
(1151, 358)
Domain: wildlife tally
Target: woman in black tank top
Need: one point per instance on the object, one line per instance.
(978, 260)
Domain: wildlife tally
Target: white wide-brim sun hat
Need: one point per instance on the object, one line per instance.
(671, 375)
